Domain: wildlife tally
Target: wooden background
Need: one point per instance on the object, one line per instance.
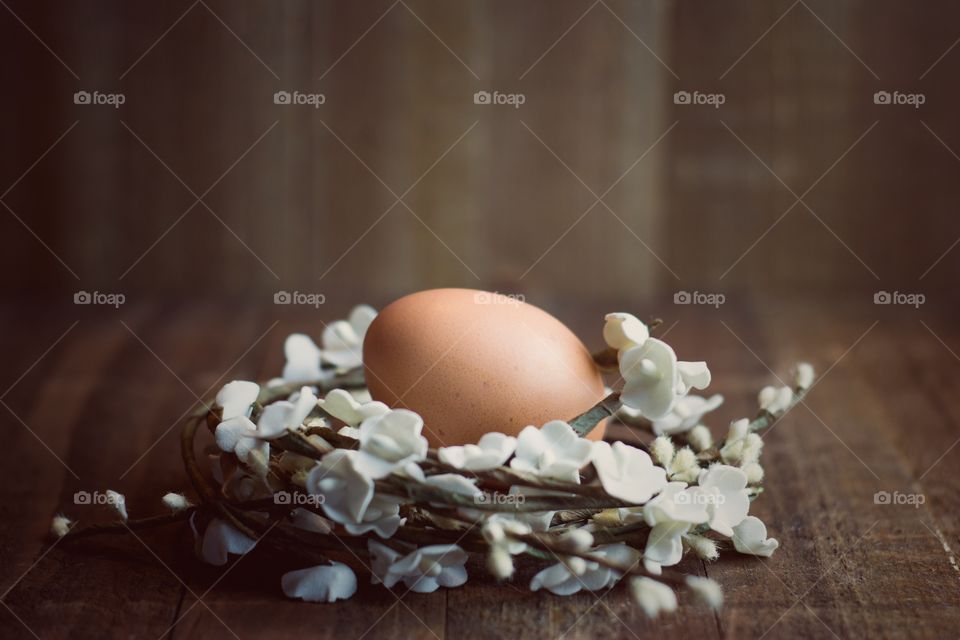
(295, 198)
(399, 79)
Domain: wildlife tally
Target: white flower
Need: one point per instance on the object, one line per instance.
(303, 359)
(623, 331)
(569, 577)
(390, 442)
(238, 435)
(750, 537)
(237, 398)
(279, 416)
(627, 472)
(554, 451)
(650, 378)
(343, 339)
(348, 495)
(775, 399)
(706, 590)
(118, 503)
(176, 502)
(221, 539)
(686, 414)
(60, 525)
(422, 570)
(490, 452)
(675, 503)
(804, 375)
(343, 406)
(727, 499)
(653, 596)
(670, 515)
(325, 583)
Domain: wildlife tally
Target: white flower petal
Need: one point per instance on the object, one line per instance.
(303, 359)
(325, 583)
(627, 472)
(750, 537)
(623, 331)
(237, 397)
(221, 539)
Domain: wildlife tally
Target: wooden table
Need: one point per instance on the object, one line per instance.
(95, 399)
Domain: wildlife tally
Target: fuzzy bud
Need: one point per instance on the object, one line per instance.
(499, 563)
(738, 429)
(653, 596)
(700, 438)
(684, 460)
(703, 546)
(60, 525)
(118, 503)
(176, 502)
(662, 450)
(576, 566)
(731, 452)
(706, 590)
(576, 541)
(754, 473)
(258, 463)
(804, 375)
(775, 400)
(752, 447)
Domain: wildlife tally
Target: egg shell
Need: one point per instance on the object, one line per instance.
(471, 362)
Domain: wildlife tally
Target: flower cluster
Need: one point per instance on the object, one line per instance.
(311, 459)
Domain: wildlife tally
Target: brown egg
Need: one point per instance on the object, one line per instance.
(470, 362)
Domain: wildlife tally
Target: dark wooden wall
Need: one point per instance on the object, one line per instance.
(199, 80)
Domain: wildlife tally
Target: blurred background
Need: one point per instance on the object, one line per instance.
(793, 182)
